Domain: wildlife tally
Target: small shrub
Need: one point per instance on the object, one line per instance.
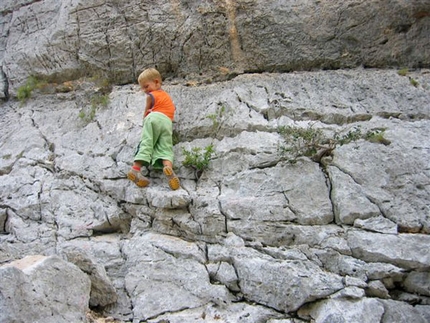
(88, 114)
(311, 142)
(413, 82)
(218, 118)
(403, 72)
(377, 136)
(100, 100)
(24, 92)
(198, 158)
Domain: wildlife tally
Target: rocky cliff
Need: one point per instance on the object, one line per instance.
(64, 40)
(313, 207)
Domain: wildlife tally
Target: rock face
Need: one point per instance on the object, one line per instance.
(253, 238)
(63, 40)
(314, 206)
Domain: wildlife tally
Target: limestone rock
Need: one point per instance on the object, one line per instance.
(250, 219)
(418, 282)
(39, 288)
(64, 40)
(344, 310)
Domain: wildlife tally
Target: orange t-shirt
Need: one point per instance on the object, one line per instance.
(162, 102)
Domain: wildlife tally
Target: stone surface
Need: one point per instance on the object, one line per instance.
(253, 236)
(43, 289)
(205, 40)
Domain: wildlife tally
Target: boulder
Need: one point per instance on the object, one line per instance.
(43, 289)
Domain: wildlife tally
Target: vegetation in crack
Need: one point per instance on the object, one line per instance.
(88, 113)
(313, 143)
(25, 91)
(404, 72)
(198, 158)
(219, 118)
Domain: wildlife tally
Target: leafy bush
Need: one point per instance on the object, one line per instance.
(198, 158)
(313, 143)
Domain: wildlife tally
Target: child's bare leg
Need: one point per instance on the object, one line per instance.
(137, 164)
(173, 180)
(167, 163)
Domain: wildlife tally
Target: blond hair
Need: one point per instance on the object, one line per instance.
(149, 74)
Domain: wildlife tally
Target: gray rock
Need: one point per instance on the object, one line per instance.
(251, 219)
(102, 291)
(68, 39)
(374, 247)
(39, 289)
(264, 281)
(376, 288)
(378, 224)
(159, 281)
(344, 310)
(402, 312)
(418, 282)
(350, 203)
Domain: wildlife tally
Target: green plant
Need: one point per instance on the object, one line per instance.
(403, 72)
(97, 100)
(198, 158)
(313, 143)
(377, 136)
(218, 118)
(413, 82)
(88, 114)
(100, 100)
(302, 142)
(24, 92)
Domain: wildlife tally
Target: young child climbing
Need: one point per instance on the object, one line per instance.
(156, 146)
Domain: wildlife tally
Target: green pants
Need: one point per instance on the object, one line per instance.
(156, 141)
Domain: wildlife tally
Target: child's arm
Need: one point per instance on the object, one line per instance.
(149, 104)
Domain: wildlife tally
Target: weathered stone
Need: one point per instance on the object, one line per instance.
(167, 199)
(418, 282)
(350, 203)
(225, 274)
(366, 310)
(376, 288)
(402, 312)
(63, 185)
(235, 312)
(378, 224)
(159, 281)
(206, 41)
(31, 291)
(102, 291)
(375, 247)
(265, 282)
(349, 292)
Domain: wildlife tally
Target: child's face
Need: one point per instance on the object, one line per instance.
(149, 86)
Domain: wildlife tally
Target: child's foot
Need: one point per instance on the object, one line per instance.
(137, 177)
(173, 180)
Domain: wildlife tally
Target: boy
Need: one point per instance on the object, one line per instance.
(155, 146)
